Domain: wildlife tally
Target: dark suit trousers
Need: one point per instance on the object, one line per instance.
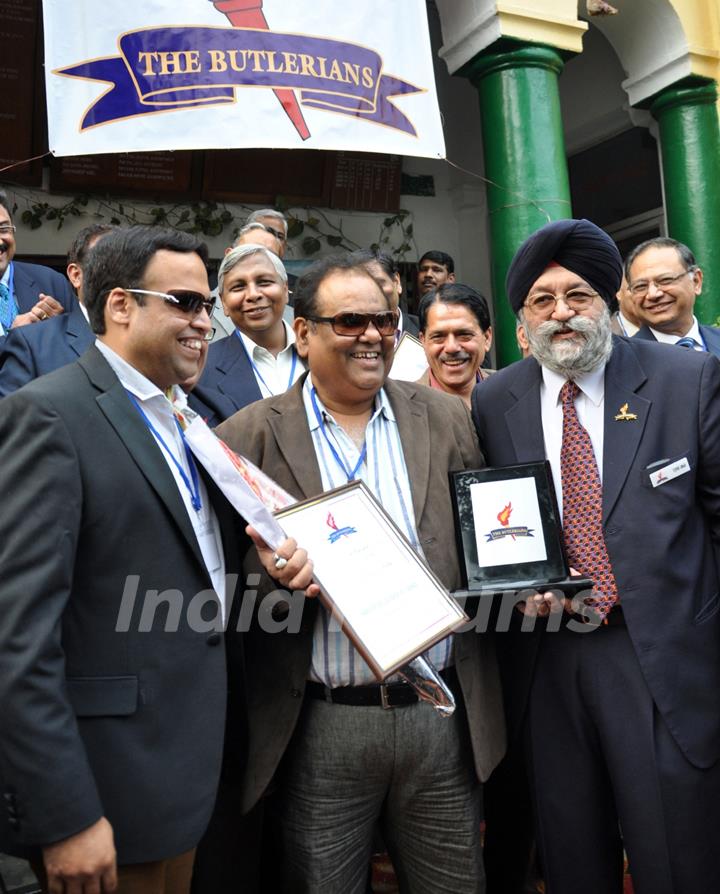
(607, 772)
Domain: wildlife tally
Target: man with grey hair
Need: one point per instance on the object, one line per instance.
(273, 221)
(258, 359)
(265, 227)
(621, 726)
(665, 280)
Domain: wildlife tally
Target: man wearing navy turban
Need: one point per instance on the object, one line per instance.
(620, 719)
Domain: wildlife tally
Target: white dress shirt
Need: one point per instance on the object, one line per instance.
(274, 375)
(335, 661)
(693, 332)
(160, 413)
(590, 407)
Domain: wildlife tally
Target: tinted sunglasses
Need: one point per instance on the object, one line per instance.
(183, 299)
(352, 324)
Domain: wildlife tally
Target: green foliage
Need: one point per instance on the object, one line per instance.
(212, 219)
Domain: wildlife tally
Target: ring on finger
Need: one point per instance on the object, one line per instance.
(280, 562)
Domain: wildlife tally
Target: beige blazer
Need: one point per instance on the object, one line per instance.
(438, 436)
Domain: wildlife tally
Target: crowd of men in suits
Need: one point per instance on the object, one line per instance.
(137, 750)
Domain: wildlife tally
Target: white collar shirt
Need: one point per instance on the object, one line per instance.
(158, 409)
(693, 333)
(274, 375)
(334, 660)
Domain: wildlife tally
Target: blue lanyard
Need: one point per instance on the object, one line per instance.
(194, 488)
(350, 475)
(291, 378)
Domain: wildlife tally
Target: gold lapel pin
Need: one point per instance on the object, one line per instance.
(624, 416)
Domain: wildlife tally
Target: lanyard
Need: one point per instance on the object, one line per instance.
(192, 488)
(291, 377)
(349, 474)
(11, 280)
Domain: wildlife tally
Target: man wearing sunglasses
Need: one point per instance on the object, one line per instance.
(351, 760)
(664, 281)
(112, 686)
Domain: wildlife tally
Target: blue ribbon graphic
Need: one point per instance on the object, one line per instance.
(161, 69)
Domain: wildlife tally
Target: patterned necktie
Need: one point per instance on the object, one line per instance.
(687, 342)
(8, 311)
(582, 507)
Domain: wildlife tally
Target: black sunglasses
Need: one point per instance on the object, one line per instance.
(183, 299)
(352, 324)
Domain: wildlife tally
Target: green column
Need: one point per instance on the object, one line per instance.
(524, 159)
(690, 144)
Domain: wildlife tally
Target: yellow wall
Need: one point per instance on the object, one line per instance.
(555, 22)
(552, 22)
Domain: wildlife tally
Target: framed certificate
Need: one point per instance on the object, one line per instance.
(508, 532)
(388, 602)
(409, 362)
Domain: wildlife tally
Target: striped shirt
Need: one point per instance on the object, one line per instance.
(335, 662)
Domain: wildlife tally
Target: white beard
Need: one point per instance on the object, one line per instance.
(573, 356)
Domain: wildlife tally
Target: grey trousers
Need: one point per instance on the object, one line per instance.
(349, 768)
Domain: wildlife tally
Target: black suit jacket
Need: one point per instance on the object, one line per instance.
(663, 541)
(709, 333)
(32, 279)
(108, 707)
(33, 351)
(411, 324)
(227, 384)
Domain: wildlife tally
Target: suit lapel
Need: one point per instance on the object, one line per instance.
(712, 339)
(79, 334)
(524, 419)
(644, 333)
(288, 420)
(24, 285)
(132, 431)
(236, 379)
(414, 429)
(624, 375)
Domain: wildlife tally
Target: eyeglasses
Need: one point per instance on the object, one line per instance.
(7, 229)
(352, 324)
(187, 301)
(577, 300)
(278, 234)
(662, 283)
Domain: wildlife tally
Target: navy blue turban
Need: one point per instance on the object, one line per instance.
(579, 246)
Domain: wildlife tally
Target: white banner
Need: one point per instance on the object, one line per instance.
(222, 74)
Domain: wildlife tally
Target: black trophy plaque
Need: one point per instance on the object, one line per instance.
(476, 537)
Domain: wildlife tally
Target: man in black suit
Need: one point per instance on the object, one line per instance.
(113, 711)
(621, 723)
(664, 280)
(259, 358)
(29, 293)
(32, 351)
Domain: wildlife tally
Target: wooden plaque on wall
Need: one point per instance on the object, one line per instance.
(19, 39)
(364, 181)
(259, 176)
(142, 174)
